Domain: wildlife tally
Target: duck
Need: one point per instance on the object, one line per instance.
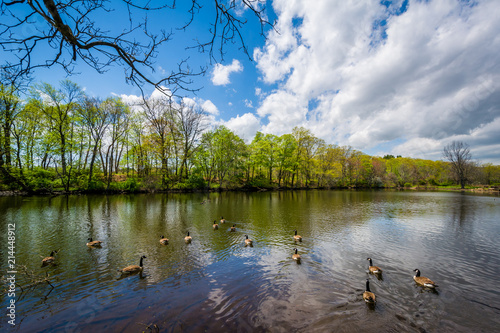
(233, 228)
(50, 259)
(133, 269)
(188, 238)
(248, 241)
(296, 256)
(373, 269)
(163, 240)
(216, 226)
(368, 296)
(297, 238)
(222, 219)
(93, 243)
(422, 280)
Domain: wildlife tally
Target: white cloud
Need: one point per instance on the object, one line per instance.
(366, 75)
(245, 126)
(248, 103)
(210, 107)
(220, 74)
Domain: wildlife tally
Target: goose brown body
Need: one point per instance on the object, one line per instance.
(233, 228)
(163, 240)
(373, 269)
(215, 226)
(188, 238)
(368, 296)
(297, 238)
(423, 281)
(248, 241)
(49, 260)
(94, 243)
(222, 220)
(132, 269)
(296, 256)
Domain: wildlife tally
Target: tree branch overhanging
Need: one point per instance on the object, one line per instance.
(72, 31)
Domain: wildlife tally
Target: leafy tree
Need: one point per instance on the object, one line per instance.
(58, 107)
(285, 157)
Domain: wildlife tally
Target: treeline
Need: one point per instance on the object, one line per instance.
(61, 139)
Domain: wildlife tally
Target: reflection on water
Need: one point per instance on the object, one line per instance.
(217, 284)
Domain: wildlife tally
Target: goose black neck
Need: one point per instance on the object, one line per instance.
(90, 239)
(368, 285)
(140, 262)
(296, 251)
(370, 260)
(417, 273)
(295, 232)
(188, 233)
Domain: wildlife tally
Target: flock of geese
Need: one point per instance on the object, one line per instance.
(368, 295)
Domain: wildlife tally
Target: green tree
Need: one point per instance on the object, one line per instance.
(58, 107)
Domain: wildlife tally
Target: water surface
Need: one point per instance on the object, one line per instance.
(216, 284)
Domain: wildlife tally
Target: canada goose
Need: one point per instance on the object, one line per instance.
(222, 219)
(368, 296)
(216, 226)
(297, 238)
(296, 256)
(163, 240)
(233, 228)
(132, 269)
(248, 241)
(49, 260)
(94, 243)
(188, 238)
(422, 280)
(373, 269)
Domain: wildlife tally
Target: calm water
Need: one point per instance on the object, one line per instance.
(216, 284)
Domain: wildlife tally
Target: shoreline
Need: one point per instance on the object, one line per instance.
(480, 189)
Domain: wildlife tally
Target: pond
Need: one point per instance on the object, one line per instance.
(217, 284)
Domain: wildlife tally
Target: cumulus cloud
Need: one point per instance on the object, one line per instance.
(244, 126)
(369, 74)
(220, 74)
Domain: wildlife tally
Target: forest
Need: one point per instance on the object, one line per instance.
(58, 139)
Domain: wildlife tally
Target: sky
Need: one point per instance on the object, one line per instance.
(384, 77)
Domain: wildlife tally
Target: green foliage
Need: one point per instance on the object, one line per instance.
(261, 181)
(62, 140)
(130, 185)
(196, 181)
(41, 179)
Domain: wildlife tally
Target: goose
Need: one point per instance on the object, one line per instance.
(297, 238)
(296, 256)
(248, 241)
(422, 280)
(216, 226)
(50, 259)
(233, 228)
(132, 269)
(94, 243)
(222, 219)
(188, 238)
(368, 296)
(373, 269)
(163, 240)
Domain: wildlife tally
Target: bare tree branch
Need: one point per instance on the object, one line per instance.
(71, 29)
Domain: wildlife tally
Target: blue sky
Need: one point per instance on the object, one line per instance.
(391, 77)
